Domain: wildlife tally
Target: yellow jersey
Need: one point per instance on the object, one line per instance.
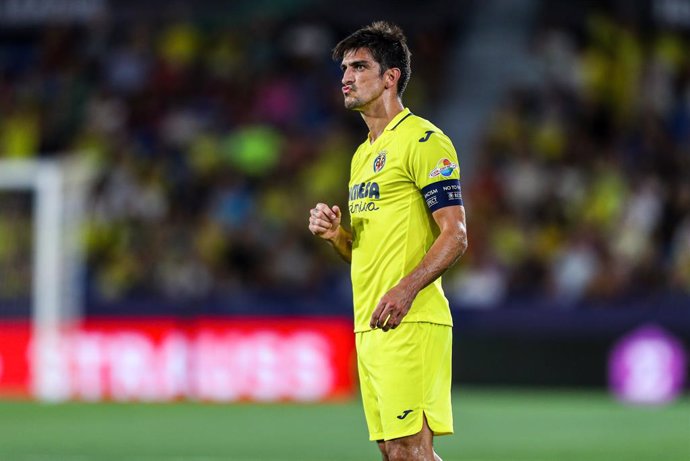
(396, 182)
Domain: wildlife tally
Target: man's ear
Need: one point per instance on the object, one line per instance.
(391, 77)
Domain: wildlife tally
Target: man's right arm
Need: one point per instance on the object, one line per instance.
(324, 222)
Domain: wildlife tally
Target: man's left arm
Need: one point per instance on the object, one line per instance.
(444, 252)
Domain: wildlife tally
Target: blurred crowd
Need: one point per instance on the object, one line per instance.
(212, 143)
(582, 194)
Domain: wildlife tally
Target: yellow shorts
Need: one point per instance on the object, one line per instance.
(406, 373)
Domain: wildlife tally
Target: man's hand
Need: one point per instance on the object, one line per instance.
(324, 221)
(450, 244)
(393, 306)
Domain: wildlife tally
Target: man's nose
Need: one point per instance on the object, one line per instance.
(347, 77)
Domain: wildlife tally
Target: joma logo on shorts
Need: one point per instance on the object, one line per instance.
(404, 414)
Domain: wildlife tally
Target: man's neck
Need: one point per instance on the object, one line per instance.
(377, 118)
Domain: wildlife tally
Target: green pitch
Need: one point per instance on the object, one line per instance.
(490, 426)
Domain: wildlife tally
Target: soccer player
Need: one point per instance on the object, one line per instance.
(408, 227)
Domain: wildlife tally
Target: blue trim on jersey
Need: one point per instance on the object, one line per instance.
(442, 194)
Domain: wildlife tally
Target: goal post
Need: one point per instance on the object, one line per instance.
(59, 188)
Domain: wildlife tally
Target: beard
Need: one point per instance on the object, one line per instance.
(353, 103)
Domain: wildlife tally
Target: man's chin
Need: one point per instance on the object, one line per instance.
(352, 104)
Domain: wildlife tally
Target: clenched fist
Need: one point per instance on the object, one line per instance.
(324, 221)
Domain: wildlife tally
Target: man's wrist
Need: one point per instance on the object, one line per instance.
(333, 240)
(411, 284)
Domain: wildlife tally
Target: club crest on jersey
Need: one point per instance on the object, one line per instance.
(380, 161)
(444, 167)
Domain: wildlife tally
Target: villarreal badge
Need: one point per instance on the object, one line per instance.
(380, 161)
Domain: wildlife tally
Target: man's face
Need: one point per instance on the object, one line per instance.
(362, 79)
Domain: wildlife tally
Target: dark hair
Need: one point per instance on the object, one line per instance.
(387, 44)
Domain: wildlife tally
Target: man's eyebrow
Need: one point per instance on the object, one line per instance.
(355, 63)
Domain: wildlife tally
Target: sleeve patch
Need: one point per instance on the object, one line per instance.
(444, 167)
(442, 194)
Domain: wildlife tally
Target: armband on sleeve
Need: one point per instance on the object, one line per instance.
(442, 194)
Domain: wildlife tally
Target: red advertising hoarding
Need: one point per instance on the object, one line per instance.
(15, 338)
(224, 360)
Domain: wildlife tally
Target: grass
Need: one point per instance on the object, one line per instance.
(490, 426)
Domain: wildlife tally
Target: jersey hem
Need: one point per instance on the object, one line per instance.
(356, 330)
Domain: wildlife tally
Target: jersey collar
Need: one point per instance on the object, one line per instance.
(393, 124)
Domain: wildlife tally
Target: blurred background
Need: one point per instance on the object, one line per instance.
(205, 131)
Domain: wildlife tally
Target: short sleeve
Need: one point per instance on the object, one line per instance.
(434, 168)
